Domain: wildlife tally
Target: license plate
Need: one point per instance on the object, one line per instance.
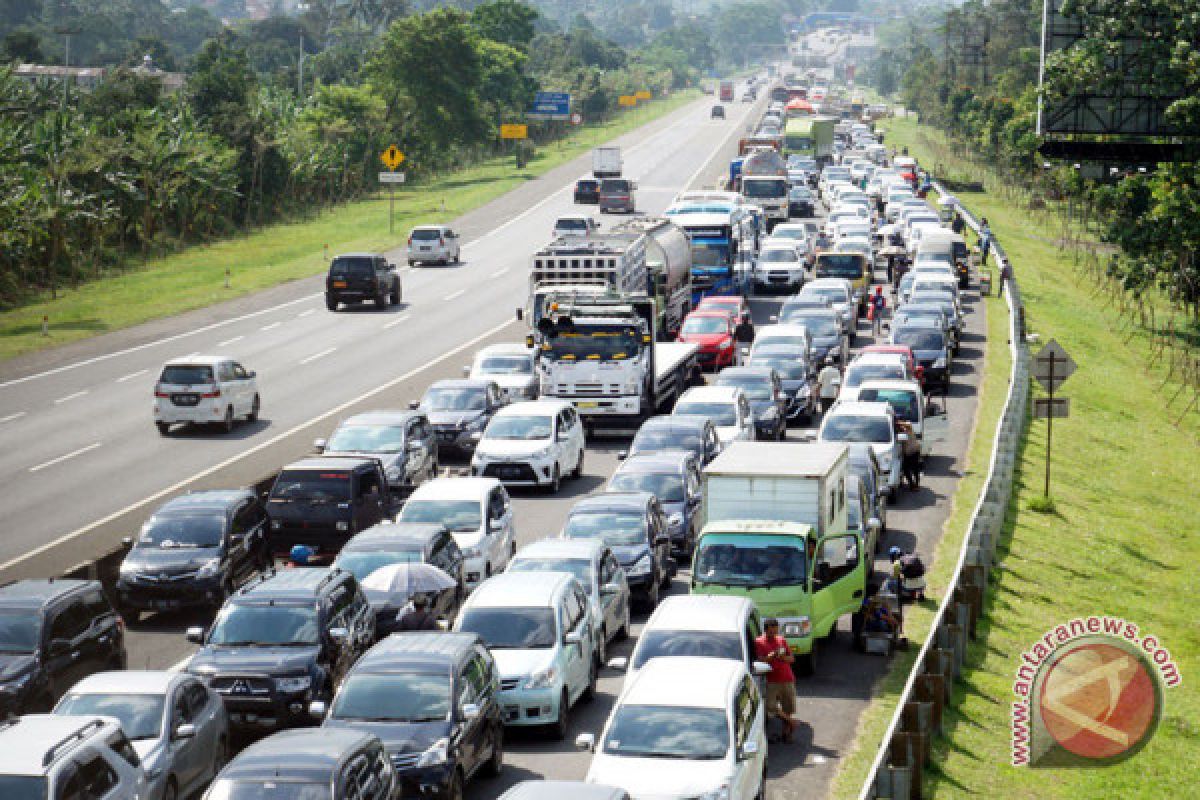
(509, 472)
(185, 399)
(587, 405)
(339, 284)
(426, 249)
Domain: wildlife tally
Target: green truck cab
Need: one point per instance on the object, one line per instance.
(775, 532)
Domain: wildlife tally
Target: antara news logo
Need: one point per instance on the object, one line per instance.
(1089, 693)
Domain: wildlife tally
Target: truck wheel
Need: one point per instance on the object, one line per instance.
(331, 302)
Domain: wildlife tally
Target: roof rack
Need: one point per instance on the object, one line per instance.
(71, 741)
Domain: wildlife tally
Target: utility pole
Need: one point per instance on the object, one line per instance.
(300, 73)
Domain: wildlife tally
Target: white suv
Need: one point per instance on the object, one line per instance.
(477, 512)
(534, 443)
(205, 390)
(47, 755)
(433, 244)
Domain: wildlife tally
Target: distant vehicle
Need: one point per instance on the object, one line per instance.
(478, 512)
(323, 501)
(726, 92)
(673, 476)
(587, 192)
(459, 410)
(205, 390)
(726, 406)
(801, 202)
(694, 433)
(361, 277)
(768, 402)
(633, 525)
(780, 266)
(607, 162)
(433, 244)
(718, 112)
(713, 332)
(873, 423)
(618, 194)
(574, 225)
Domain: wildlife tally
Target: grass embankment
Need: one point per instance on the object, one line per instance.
(195, 277)
(1122, 539)
(918, 619)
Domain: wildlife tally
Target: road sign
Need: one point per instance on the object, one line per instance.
(627, 100)
(392, 157)
(514, 132)
(643, 95)
(391, 177)
(577, 118)
(550, 105)
(1052, 366)
(1051, 407)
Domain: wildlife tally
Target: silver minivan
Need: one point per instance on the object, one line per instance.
(433, 244)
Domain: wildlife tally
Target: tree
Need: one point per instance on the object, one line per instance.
(509, 22)
(22, 45)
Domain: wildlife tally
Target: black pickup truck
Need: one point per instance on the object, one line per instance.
(321, 502)
(359, 277)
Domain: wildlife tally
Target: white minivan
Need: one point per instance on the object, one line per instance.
(201, 390)
(477, 512)
(532, 443)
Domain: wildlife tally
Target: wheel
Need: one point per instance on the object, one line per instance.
(555, 482)
(578, 471)
(623, 631)
(164, 428)
(132, 616)
(808, 663)
(558, 728)
(172, 791)
(254, 409)
(454, 791)
(412, 263)
(396, 294)
(589, 694)
(331, 303)
(651, 599)
(381, 301)
(457, 257)
(495, 764)
(665, 583)
(220, 757)
(602, 646)
(227, 423)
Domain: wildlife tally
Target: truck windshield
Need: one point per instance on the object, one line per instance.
(598, 343)
(752, 187)
(750, 564)
(710, 255)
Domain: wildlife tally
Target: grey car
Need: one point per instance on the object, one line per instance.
(828, 337)
(673, 476)
(403, 441)
(176, 724)
(459, 410)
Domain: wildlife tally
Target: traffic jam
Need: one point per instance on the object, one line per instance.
(764, 372)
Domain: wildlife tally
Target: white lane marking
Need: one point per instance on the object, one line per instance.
(304, 314)
(230, 341)
(11, 417)
(61, 459)
(398, 320)
(455, 295)
(156, 342)
(315, 356)
(132, 375)
(272, 326)
(500, 272)
(175, 487)
(70, 397)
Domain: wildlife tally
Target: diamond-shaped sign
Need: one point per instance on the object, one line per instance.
(392, 157)
(1052, 366)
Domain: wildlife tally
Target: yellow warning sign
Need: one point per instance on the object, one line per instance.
(514, 131)
(392, 157)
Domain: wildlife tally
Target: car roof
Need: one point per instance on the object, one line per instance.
(613, 501)
(385, 533)
(546, 407)
(505, 349)
(28, 744)
(668, 461)
(890, 383)
(561, 548)
(206, 500)
(519, 590)
(310, 752)
(719, 394)
(824, 283)
(461, 383)
(712, 311)
(289, 584)
(584, 217)
(556, 790)
(430, 227)
(765, 331)
(35, 593)
(699, 612)
(465, 488)
(680, 422)
(362, 254)
(381, 417)
(329, 463)
(436, 649)
(749, 372)
(861, 408)
(709, 683)
(128, 682)
(879, 358)
(196, 361)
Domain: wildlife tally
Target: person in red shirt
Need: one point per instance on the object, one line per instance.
(772, 649)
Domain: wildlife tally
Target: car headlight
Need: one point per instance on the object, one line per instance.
(542, 679)
(438, 753)
(294, 684)
(940, 363)
(641, 566)
(209, 568)
(720, 793)
(797, 626)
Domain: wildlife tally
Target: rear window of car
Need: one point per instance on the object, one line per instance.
(426, 235)
(351, 267)
(587, 186)
(187, 373)
(572, 225)
(614, 186)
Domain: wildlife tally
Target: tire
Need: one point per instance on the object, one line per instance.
(412, 263)
(555, 482)
(577, 473)
(132, 616)
(331, 303)
(457, 257)
(381, 301)
(255, 407)
(808, 663)
(667, 577)
(495, 762)
(589, 693)
(164, 428)
(221, 757)
(602, 646)
(623, 631)
(396, 294)
(227, 423)
(172, 791)
(454, 791)
(558, 728)
(762, 784)
(650, 601)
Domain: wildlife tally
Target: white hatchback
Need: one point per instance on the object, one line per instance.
(534, 443)
(726, 406)
(205, 390)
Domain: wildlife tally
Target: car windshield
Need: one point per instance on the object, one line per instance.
(903, 401)
(840, 265)
(919, 339)
(818, 325)
(750, 564)
(668, 732)
(614, 528)
(186, 374)
(272, 789)
(265, 626)
(667, 487)
(797, 340)
(22, 787)
(704, 325)
(754, 387)
(511, 628)
(520, 428)
(831, 293)
(595, 343)
(457, 515)
(366, 439)
(351, 268)
(788, 231)
(466, 399)
(649, 441)
(800, 193)
(707, 644)
(857, 428)
(581, 568)
(140, 715)
(360, 565)
(316, 488)
(571, 225)
(789, 367)
(19, 632)
(182, 530)
(426, 235)
(394, 697)
(778, 255)
(506, 365)
(721, 413)
(858, 373)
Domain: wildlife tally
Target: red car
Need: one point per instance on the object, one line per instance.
(904, 350)
(713, 330)
(735, 304)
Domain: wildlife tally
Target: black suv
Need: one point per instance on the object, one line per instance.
(431, 699)
(194, 551)
(359, 277)
(281, 643)
(633, 525)
(53, 634)
(403, 441)
(322, 502)
(405, 543)
(587, 191)
(311, 763)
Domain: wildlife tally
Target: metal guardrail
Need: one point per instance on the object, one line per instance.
(906, 746)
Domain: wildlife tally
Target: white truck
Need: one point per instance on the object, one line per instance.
(606, 162)
(669, 261)
(598, 351)
(593, 265)
(764, 183)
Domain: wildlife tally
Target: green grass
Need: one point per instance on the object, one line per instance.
(195, 277)
(1119, 539)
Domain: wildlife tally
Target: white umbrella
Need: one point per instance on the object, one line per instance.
(408, 579)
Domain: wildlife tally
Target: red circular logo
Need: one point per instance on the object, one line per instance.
(1099, 700)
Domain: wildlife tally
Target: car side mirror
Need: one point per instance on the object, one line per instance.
(573, 637)
(195, 635)
(319, 445)
(317, 709)
(185, 731)
(622, 455)
(749, 750)
(127, 541)
(762, 668)
(414, 404)
(586, 741)
(339, 635)
(470, 711)
(620, 662)
(57, 647)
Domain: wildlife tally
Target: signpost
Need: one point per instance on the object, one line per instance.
(1051, 368)
(391, 158)
(550, 105)
(514, 131)
(627, 100)
(644, 94)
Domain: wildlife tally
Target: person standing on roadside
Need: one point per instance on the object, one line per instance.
(827, 383)
(773, 649)
(878, 305)
(985, 241)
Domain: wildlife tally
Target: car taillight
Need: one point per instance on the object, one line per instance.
(215, 392)
(158, 392)
(410, 241)
(441, 242)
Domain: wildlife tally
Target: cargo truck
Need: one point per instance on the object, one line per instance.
(764, 182)
(606, 162)
(775, 531)
(726, 91)
(811, 137)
